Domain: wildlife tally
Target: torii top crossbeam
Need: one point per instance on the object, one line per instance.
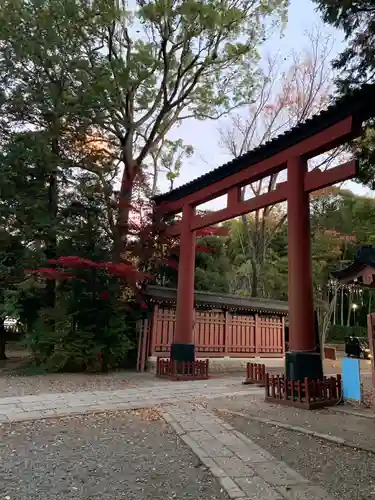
(337, 125)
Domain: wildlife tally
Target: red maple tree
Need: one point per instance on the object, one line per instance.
(147, 248)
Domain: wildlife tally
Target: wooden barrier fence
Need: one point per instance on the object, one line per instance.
(186, 370)
(218, 334)
(308, 394)
(330, 353)
(255, 374)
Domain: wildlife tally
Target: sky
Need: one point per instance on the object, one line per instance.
(204, 136)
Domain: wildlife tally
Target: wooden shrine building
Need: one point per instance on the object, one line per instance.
(339, 124)
(224, 326)
(361, 271)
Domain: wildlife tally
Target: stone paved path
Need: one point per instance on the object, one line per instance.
(19, 408)
(244, 469)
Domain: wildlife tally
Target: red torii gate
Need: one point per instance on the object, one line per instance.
(339, 124)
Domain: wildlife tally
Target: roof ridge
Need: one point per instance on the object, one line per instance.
(220, 297)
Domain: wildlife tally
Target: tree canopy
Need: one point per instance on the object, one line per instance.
(357, 19)
(356, 63)
(106, 83)
(89, 95)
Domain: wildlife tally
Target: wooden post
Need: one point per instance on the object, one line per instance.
(227, 325)
(263, 373)
(339, 387)
(307, 389)
(139, 326)
(185, 288)
(257, 334)
(283, 334)
(144, 334)
(154, 321)
(301, 309)
(267, 385)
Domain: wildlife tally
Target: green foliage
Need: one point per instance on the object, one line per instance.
(356, 18)
(99, 341)
(260, 269)
(339, 332)
(128, 76)
(356, 63)
(90, 319)
(212, 268)
(70, 334)
(366, 156)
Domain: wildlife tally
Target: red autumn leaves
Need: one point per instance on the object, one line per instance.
(340, 236)
(213, 231)
(124, 271)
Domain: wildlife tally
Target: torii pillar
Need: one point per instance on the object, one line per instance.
(303, 359)
(183, 348)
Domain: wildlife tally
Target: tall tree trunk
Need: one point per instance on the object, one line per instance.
(125, 197)
(252, 253)
(254, 278)
(3, 356)
(51, 243)
(349, 309)
(335, 304)
(155, 180)
(342, 306)
(326, 320)
(257, 247)
(247, 247)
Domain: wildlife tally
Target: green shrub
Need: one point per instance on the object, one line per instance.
(88, 340)
(339, 332)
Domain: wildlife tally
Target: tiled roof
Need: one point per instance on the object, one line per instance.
(359, 103)
(365, 257)
(212, 300)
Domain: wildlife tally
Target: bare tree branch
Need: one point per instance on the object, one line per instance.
(285, 98)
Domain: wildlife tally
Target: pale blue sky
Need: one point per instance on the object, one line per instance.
(204, 136)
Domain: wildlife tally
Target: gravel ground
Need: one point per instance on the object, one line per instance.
(107, 457)
(345, 473)
(366, 381)
(333, 421)
(11, 385)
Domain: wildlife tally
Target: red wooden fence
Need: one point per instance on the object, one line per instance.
(255, 374)
(187, 370)
(218, 333)
(309, 394)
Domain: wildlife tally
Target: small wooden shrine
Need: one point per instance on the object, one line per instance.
(361, 271)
